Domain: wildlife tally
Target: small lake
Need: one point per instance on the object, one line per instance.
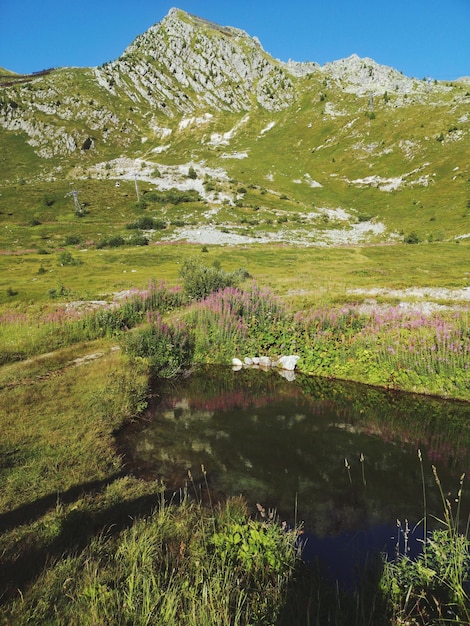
(341, 458)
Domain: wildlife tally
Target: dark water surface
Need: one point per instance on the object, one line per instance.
(339, 457)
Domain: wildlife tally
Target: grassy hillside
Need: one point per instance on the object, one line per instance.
(313, 150)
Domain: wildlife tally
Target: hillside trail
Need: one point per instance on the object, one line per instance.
(53, 372)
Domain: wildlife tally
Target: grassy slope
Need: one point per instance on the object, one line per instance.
(308, 138)
(58, 427)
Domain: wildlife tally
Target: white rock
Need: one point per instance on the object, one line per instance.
(288, 362)
(248, 361)
(265, 361)
(236, 362)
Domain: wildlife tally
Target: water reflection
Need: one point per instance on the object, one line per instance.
(340, 457)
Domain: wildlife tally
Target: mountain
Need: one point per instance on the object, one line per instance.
(349, 151)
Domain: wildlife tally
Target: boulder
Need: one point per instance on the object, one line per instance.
(236, 362)
(288, 362)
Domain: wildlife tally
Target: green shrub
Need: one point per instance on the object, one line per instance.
(412, 238)
(72, 240)
(48, 200)
(66, 258)
(364, 217)
(137, 239)
(173, 196)
(199, 280)
(253, 547)
(166, 348)
(147, 222)
(115, 241)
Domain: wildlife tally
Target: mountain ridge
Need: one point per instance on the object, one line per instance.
(350, 137)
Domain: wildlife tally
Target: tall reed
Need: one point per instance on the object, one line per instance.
(431, 588)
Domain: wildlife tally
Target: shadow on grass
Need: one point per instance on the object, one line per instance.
(77, 527)
(28, 513)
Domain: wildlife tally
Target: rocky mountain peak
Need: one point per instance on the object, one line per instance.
(185, 63)
(363, 75)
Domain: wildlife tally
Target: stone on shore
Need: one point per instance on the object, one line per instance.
(288, 362)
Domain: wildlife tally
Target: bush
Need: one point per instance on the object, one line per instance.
(138, 240)
(192, 173)
(111, 242)
(199, 280)
(412, 238)
(72, 240)
(173, 196)
(166, 348)
(66, 258)
(48, 200)
(147, 222)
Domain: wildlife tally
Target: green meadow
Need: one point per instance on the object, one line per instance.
(101, 294)
(109, 548)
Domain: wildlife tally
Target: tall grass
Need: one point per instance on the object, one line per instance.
(432, 589)
(234, 322)
(166, 348)
(395, 348)
(390, 347)
(27, 333)
(171, 568)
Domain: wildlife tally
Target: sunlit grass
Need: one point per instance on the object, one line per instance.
(57, 429)
(302, 275)
(178, 566)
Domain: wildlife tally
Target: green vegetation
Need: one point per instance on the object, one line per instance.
(84, 323)
(171, 567)
(431, 588)
(199, 280)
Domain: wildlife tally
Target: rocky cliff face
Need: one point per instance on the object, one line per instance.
(183, 66)
(185, 63)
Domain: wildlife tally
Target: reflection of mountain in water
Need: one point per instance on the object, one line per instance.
(345, 453)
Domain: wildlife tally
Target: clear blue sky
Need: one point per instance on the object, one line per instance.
(420, 38)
